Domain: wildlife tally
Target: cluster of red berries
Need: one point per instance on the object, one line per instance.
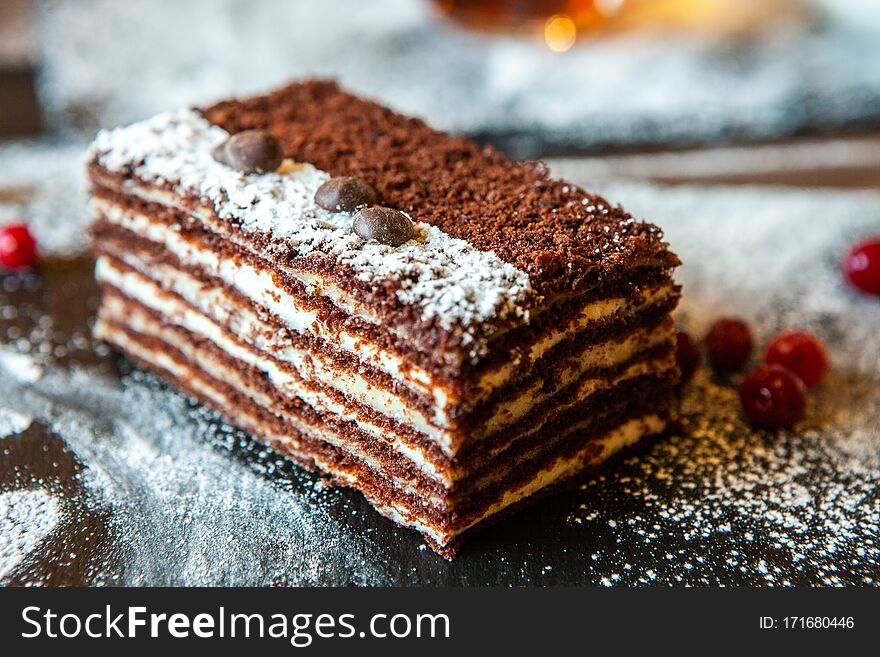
(18, 249)
(774, 394)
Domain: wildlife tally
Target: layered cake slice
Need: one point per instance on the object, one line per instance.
(443, 329)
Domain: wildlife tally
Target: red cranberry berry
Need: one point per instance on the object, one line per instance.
(801, 352)
(17, 247)
(729, 343)
(861, 266)
(687, 355)
(773, 397)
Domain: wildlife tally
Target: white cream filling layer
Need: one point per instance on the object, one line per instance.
(589, 387)
(594, 312)
(603, 355)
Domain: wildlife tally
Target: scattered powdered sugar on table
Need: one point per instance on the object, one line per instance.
(26, 518)
(789, 508)
(176, 501)
(21, 366)
(12, 422)
(724, 505)
(192, 501)
(44, 185)
(442, 276)
(770, 255)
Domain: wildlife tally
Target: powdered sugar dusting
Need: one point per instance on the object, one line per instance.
(445, 278)
(724, 505)
(21, 366)
(12, 422)
(26, 518)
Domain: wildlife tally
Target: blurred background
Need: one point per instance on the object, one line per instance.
(534, 76)
(731, 91)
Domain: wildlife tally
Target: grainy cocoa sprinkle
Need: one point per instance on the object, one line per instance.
(560, 234)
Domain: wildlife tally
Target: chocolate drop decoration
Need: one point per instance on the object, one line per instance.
(384, 225)
(345, 194)
(250, 151)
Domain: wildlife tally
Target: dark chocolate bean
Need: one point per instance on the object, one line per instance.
(250, 151)
(384, 225)
(345, 194)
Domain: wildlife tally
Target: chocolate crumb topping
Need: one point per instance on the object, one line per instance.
(345, 194)
(566, 238)
(384, 225)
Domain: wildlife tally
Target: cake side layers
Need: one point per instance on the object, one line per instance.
(339, 426)
(175, 294)
(506, 417)
(397, 498)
